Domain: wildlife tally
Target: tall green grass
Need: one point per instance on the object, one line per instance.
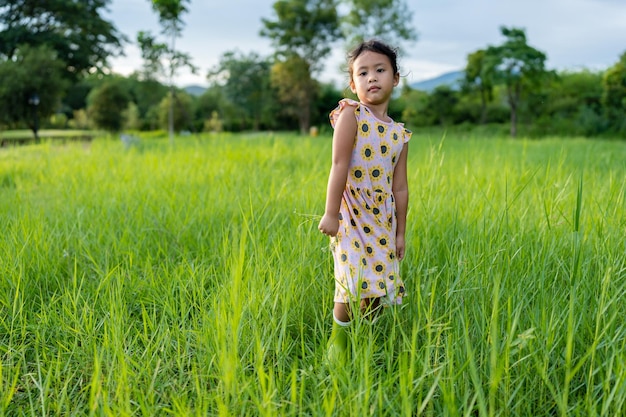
(192, 280)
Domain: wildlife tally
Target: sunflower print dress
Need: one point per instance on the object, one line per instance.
(364, 249)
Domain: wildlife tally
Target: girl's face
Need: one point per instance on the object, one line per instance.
(372, 78)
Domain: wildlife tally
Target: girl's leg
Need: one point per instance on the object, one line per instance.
(341, 312)
(338, 342)
(370, 307)
(342, 317)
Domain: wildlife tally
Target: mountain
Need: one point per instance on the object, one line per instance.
(452, 79)
(195, 90)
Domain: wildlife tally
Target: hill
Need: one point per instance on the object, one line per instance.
(195, 90)
(452, 79)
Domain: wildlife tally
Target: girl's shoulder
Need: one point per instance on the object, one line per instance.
(346, 102)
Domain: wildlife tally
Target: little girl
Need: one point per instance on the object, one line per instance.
(367, 193)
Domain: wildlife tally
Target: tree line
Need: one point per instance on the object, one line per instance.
(53, 71)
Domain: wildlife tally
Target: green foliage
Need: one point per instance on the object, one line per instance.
(170, 15)
(80, 120)
(295, 88)
(388, 20)
(76, 95)
(245, 80)
(574, 89)
(515, 64)
(614, 94)
(183, 111)
(415, 108)
(441, 103)
(214, 124)
(75, 29)
(34, 71)
(106, 105)
(502, 82)
(571, 103)
(326, 100)
(58, 121)
(131, 117)
(213, 100)
(155, 54)
(477, 79)
(152, 53)
(303, 28)
(302, 34)
(145, 93)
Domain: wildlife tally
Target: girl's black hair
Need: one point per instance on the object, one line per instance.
(373, 45)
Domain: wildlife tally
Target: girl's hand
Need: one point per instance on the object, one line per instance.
(400, 246)
(329, 225)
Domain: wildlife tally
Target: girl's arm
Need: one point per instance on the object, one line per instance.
(343, 142)
(400, 191)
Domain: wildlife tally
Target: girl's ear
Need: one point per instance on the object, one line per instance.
(352, 87)
(396, 79)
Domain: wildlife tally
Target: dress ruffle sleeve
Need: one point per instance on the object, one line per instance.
(334, 115)
(406, 133)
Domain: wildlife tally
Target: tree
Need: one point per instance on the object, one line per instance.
(476, 79)
(75, 29)
(35, 87)
(327, 98)
(301, 33)
(170, 16)
(441, 103)
(517, 65)
(106, 105)
(152, 53)
(145, 93)
(131, 118)
(614, 94)
(416, 111)
(246, 83)
(304, 28)
(388, 20)
(75, 97)
(182, 115)
(570, 105)
(214, 102)
(296, 88)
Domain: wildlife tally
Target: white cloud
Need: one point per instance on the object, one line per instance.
(573, 33)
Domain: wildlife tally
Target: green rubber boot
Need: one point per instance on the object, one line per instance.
(337, 350)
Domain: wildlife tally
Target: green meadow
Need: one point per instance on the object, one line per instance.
(190, 280)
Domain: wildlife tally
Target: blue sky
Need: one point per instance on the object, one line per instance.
(574, 34)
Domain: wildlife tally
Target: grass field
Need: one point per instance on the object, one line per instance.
(191, 280)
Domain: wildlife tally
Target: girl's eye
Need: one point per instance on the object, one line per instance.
(362, 73)
(380, 70)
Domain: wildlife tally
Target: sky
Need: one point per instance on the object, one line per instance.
(574, 34)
